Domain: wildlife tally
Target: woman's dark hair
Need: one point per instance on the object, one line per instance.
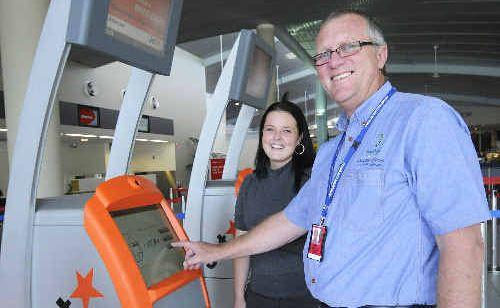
(300, 163)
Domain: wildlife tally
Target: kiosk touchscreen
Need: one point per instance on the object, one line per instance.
(132, 226)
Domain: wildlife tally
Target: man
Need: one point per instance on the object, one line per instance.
(399, 212)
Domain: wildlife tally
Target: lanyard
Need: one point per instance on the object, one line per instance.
(333, 180)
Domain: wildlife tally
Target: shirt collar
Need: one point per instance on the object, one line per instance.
(363, 112)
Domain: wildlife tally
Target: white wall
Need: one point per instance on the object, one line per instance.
(82, 159)
(247, 157)
(155, 157)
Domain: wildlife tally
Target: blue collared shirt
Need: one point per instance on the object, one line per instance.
(414, 176)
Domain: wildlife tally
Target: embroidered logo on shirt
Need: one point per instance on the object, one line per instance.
(372, 157)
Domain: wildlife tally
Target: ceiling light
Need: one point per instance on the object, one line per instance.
(84, 139)
(73, 135)
(105, 137)
(140, 139)
(290, 56)
(3, 129)
(333, 121)
(436, 73)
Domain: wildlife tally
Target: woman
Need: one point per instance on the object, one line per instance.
(282, 164)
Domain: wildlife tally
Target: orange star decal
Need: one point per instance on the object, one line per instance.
(232, 228)
(84, 289)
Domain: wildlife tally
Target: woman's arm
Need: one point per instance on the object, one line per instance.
(241, 267)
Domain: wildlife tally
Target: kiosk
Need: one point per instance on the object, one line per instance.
(56, 254)
(246, 78)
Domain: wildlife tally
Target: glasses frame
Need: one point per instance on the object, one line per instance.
(339, 50)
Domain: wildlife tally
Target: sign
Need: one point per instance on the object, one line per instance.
(88, 116)
(216, 168)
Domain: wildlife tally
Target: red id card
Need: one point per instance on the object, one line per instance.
(316, 242)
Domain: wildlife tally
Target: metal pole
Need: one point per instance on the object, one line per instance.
(494, 262)
(484, 282)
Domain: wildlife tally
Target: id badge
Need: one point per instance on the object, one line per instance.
(316, 243)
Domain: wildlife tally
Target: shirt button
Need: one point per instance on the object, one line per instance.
(313, 280)
(349, 138)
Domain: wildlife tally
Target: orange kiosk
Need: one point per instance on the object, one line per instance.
(132, 225)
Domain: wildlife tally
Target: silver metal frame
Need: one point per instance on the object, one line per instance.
(48, 64)
(126, 126)
(216, 106)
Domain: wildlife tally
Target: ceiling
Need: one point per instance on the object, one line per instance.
(446, 48)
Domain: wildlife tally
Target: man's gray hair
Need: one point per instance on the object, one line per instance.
(374, 31)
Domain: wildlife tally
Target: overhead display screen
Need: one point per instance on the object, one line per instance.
(252, 75)
(143, 22)
(148, 234)
(258, 75)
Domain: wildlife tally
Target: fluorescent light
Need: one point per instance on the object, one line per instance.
(333, 121)
(84, 139)
(81, 135)
(74, 135)
(105, 137)
(140, 139)
(158, 141)
(290, 56)
(3, 129)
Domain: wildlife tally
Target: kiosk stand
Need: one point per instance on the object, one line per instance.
(56, 254)
(246, 78)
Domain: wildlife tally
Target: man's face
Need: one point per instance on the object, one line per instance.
(349, 81)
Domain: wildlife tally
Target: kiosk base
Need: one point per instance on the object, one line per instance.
(68, 271)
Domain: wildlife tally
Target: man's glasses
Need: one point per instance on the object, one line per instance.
(344, 50)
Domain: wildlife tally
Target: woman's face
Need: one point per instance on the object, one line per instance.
(280, 136)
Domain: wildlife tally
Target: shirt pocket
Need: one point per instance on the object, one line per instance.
(361, 199)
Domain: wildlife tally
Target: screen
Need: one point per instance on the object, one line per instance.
(148, 234)
(143, 22)
(258, 74)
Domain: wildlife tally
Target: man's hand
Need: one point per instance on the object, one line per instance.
(198, 253)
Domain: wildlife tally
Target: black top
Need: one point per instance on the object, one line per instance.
(278, 273)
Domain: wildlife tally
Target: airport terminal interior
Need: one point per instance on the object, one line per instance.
(188, 123)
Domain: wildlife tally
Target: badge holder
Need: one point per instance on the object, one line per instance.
(316, 242)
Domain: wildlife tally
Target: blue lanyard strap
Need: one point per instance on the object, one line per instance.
(334, 179)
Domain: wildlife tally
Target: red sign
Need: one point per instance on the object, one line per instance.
(88, 116)
(216, 168)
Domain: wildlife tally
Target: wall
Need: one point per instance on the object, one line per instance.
(247, 157)
(153, 157)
